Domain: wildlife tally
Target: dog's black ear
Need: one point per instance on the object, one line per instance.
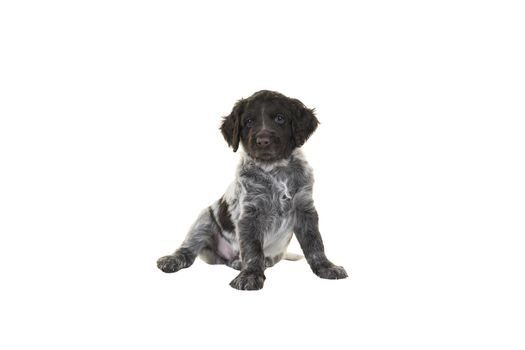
(304, 122)
(231, 125)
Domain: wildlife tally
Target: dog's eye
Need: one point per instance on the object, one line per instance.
(249, 123)
(279, 119)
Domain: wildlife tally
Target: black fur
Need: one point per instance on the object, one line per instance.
(224, 216)
(264, 107)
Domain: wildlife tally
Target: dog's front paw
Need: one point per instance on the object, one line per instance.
(330, 272)
(171, 263)
(248, 281)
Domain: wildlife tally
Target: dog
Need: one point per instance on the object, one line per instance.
(251, 225)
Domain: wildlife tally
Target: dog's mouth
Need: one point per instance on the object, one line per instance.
(266, 154)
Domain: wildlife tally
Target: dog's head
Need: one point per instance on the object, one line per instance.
(269, 125)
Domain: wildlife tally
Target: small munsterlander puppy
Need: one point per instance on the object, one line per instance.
(250, 227)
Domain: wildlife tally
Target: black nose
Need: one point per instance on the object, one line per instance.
(263, 140)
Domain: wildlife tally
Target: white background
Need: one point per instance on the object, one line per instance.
(109, 148)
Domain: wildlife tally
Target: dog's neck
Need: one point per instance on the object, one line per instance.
(269, 166)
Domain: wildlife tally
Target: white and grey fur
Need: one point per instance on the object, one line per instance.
(250, 227)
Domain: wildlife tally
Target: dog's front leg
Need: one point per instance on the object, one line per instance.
(307, 232)
(251, 251)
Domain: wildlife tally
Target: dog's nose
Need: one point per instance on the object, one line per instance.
(263, 140)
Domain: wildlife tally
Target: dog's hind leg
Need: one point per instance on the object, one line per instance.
(210, 256)
(199, 237)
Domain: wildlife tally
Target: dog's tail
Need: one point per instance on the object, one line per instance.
(292, 256)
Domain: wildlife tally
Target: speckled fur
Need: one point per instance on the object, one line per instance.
(250, 227)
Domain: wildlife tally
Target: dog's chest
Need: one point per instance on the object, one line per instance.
(280, 214)
(282, 197)
(279, 192)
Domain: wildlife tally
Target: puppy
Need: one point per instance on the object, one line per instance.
(250, 227)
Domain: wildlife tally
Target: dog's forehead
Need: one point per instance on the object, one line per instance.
(266, 105)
